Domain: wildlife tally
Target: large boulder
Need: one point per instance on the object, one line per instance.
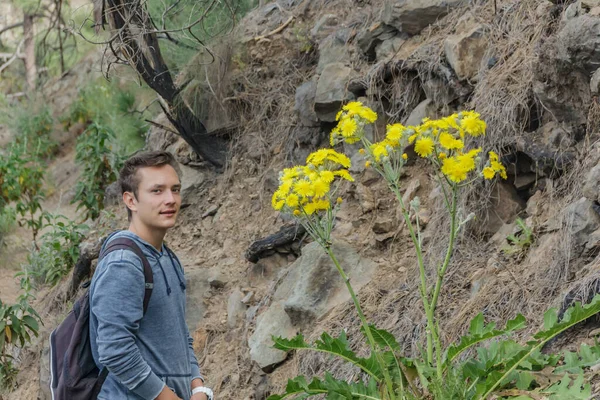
(465, 50)
(565, 65)
(581, 219)
(412, 16)
(313, 285)
(332, 49)
(331, 91)
(369, 39)
(304, 103)
(273, 322)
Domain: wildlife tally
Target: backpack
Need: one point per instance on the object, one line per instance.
(73, 371)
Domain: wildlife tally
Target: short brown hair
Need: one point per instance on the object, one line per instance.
(128, 179)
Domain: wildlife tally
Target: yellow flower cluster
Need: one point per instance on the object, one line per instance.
(304, 190)
(352, 119)
(495, 167)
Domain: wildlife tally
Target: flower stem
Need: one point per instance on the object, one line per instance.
(369, 334)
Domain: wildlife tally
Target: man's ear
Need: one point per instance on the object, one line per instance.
(130, 201)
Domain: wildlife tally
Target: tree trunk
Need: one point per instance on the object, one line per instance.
(142, 51)
(29, 59)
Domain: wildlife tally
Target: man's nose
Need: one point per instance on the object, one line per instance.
(170, 197)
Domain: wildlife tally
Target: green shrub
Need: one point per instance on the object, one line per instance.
(100, 166)
(58, 251)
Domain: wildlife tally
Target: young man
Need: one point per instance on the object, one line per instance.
(148, 356)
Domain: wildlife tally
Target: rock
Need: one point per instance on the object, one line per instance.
(112, 195)
(534, 206)
(591, 186)
(389, 48)
(216, 282)
(325, 26)
(357, 164)
(384, 225)
(571, 12)
(503, 209)
(248, 298)
(44, 393)
(236, 309)
(159, 138)
(210, 211)
(595, 82)
(438, 90)
(196, 287)
(592, 247)
(332, 50)
(523, 181)
(304, 104)
(273, 322)
(565, 64)
(411, 191)
(412, 16)
(499, 238)
(425, 109)
(424, 217)
(268, 267)
(370, 177)
(581, 220)
(366, 199)
(544, 9)
(465, 50)
(369, 39)
(331, 91)
(192, 182)
(313, 285)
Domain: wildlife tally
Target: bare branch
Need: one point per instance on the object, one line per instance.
(15, 56)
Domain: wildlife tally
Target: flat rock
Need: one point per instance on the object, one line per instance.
(331, 91)
(412, 16)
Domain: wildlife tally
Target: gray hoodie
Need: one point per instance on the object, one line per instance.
(141, 354)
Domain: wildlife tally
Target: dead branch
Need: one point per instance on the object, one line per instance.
(17, 55)
(275, 31)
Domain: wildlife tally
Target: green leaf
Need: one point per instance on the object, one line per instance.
(568, 389)
(383, 338)
(524, 380)
(574, 363)
(550, 318)
(31, 323)
(334, 346)
(480, 332)
(298, 388)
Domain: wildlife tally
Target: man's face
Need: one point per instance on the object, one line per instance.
(158, 198)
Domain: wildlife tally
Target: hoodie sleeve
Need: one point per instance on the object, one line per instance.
(117, 303)
(193, 360)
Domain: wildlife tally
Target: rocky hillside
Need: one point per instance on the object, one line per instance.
(529, 67)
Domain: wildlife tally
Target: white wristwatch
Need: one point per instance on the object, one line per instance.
(205, 390)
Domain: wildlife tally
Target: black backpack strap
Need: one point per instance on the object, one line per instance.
(128, 244)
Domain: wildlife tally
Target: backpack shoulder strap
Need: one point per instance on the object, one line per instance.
(129, 244)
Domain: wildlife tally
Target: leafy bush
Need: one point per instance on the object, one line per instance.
(21, 181)
(58, 251)
(112, 106)
(100, 166)
(18, 323)
(503, 369)
(519, 242)
(8, 219)
(32, 123)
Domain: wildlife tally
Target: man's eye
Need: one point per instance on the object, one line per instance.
(176, 190)
(155, 190)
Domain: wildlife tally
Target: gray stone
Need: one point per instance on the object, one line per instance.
(593, 243)
(595, 82)
(523, 181)
(159, 138)
(112, 195)
(465, 50)
(324, 27)
(313, 285)
(439, 91)
(571, 12)
(332, 50)
(412, 16)
(196, 287)
(411, 191)
(591, 185)
(192, 181)
(369, 39)
(273, 322)
(384, 225)
(304, 104)
(581, 220)
(389, 48)
(366, 199)
(216, 282)
(331, 91)
(210, 211)
(236, 309)
(268, 267)
(504, 207)
(423, 110)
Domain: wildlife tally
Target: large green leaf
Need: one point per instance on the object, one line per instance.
(574, 315)
(568, 389)
(479, 332)
(574, 363)
(335, 346)
(299, 388)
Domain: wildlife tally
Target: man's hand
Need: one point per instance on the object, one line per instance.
(167, 394)
(199, 396)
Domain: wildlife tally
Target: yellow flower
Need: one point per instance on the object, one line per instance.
(276, 202)
(472, 124)
(442, 156)
(322, 204)
(367, 164)
(394, 132)
(292, 200)
(448, 141)
(297, 213)
(453, 169)
(424, 146)
(290, 173)
(320, 188)
(379, 150)
(496, 165)
(353, 108)
(466, 162)
(304, 188)
(339, 200)
(348, 127)
(412, 138)
(327, 176)
(361, 151)
(404, 156)
(368, 114)
(344, 174)
(488, 173)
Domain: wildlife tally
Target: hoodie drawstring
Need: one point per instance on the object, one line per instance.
(181, 283)
(164, 276)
